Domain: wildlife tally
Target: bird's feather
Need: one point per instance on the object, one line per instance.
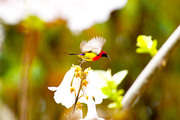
(95, 45)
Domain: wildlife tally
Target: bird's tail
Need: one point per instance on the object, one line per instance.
(73, 54)
(70, 53)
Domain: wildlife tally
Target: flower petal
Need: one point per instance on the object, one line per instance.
(92, 113)
(63, 94)
(93, 88)
(118, 77)
(52, 88)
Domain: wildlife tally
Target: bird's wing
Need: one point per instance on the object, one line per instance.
(95, 45)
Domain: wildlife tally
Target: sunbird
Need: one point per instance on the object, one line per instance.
(92, 50)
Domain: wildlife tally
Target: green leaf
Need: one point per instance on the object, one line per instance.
(119, 99)
(153, 50)
(34, 23)
(141, 50)
(143, 41)
(154, 45)
(145, 44)
(105, 90)
(112, 105)
(120, 92)
(118, 77)
(110, 88)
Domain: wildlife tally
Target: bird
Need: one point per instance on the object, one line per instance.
(92, 49)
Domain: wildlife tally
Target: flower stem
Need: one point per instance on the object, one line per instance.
(77, 97)
(28, 53)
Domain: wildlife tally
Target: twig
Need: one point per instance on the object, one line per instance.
(151, 70)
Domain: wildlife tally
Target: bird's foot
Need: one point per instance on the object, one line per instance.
(82, 62)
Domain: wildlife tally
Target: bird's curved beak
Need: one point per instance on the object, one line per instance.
(105, 55)
(108, 57)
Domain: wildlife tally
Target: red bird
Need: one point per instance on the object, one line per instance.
(92, 50)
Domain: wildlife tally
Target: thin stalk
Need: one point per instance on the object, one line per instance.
(28, 54)
(77, 97)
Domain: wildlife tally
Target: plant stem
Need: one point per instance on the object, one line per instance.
(151, 70)
(28, 54)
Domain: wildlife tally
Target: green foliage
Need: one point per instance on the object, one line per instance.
(34, 23)
(146, 45)
(110, 88)
(37, 72)
(160, 101)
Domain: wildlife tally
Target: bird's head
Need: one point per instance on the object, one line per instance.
(104, 54)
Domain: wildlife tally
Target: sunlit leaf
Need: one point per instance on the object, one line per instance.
(105, 90)
(34, 23)
(120, 92)
(141, 50)
(145, 44)
(111, 87)
(112, 105)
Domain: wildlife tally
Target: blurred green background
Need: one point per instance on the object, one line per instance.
(34, 52)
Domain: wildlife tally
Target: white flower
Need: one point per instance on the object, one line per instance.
(67, 91)
(93, 88)
(106, 75)
(12, 11)
(63, 94)
(92, 113)
(80, 14)
(47, 10)
(83, 14)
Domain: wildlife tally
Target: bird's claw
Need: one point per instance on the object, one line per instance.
(82, 62)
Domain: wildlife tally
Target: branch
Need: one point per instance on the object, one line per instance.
(151, 70)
